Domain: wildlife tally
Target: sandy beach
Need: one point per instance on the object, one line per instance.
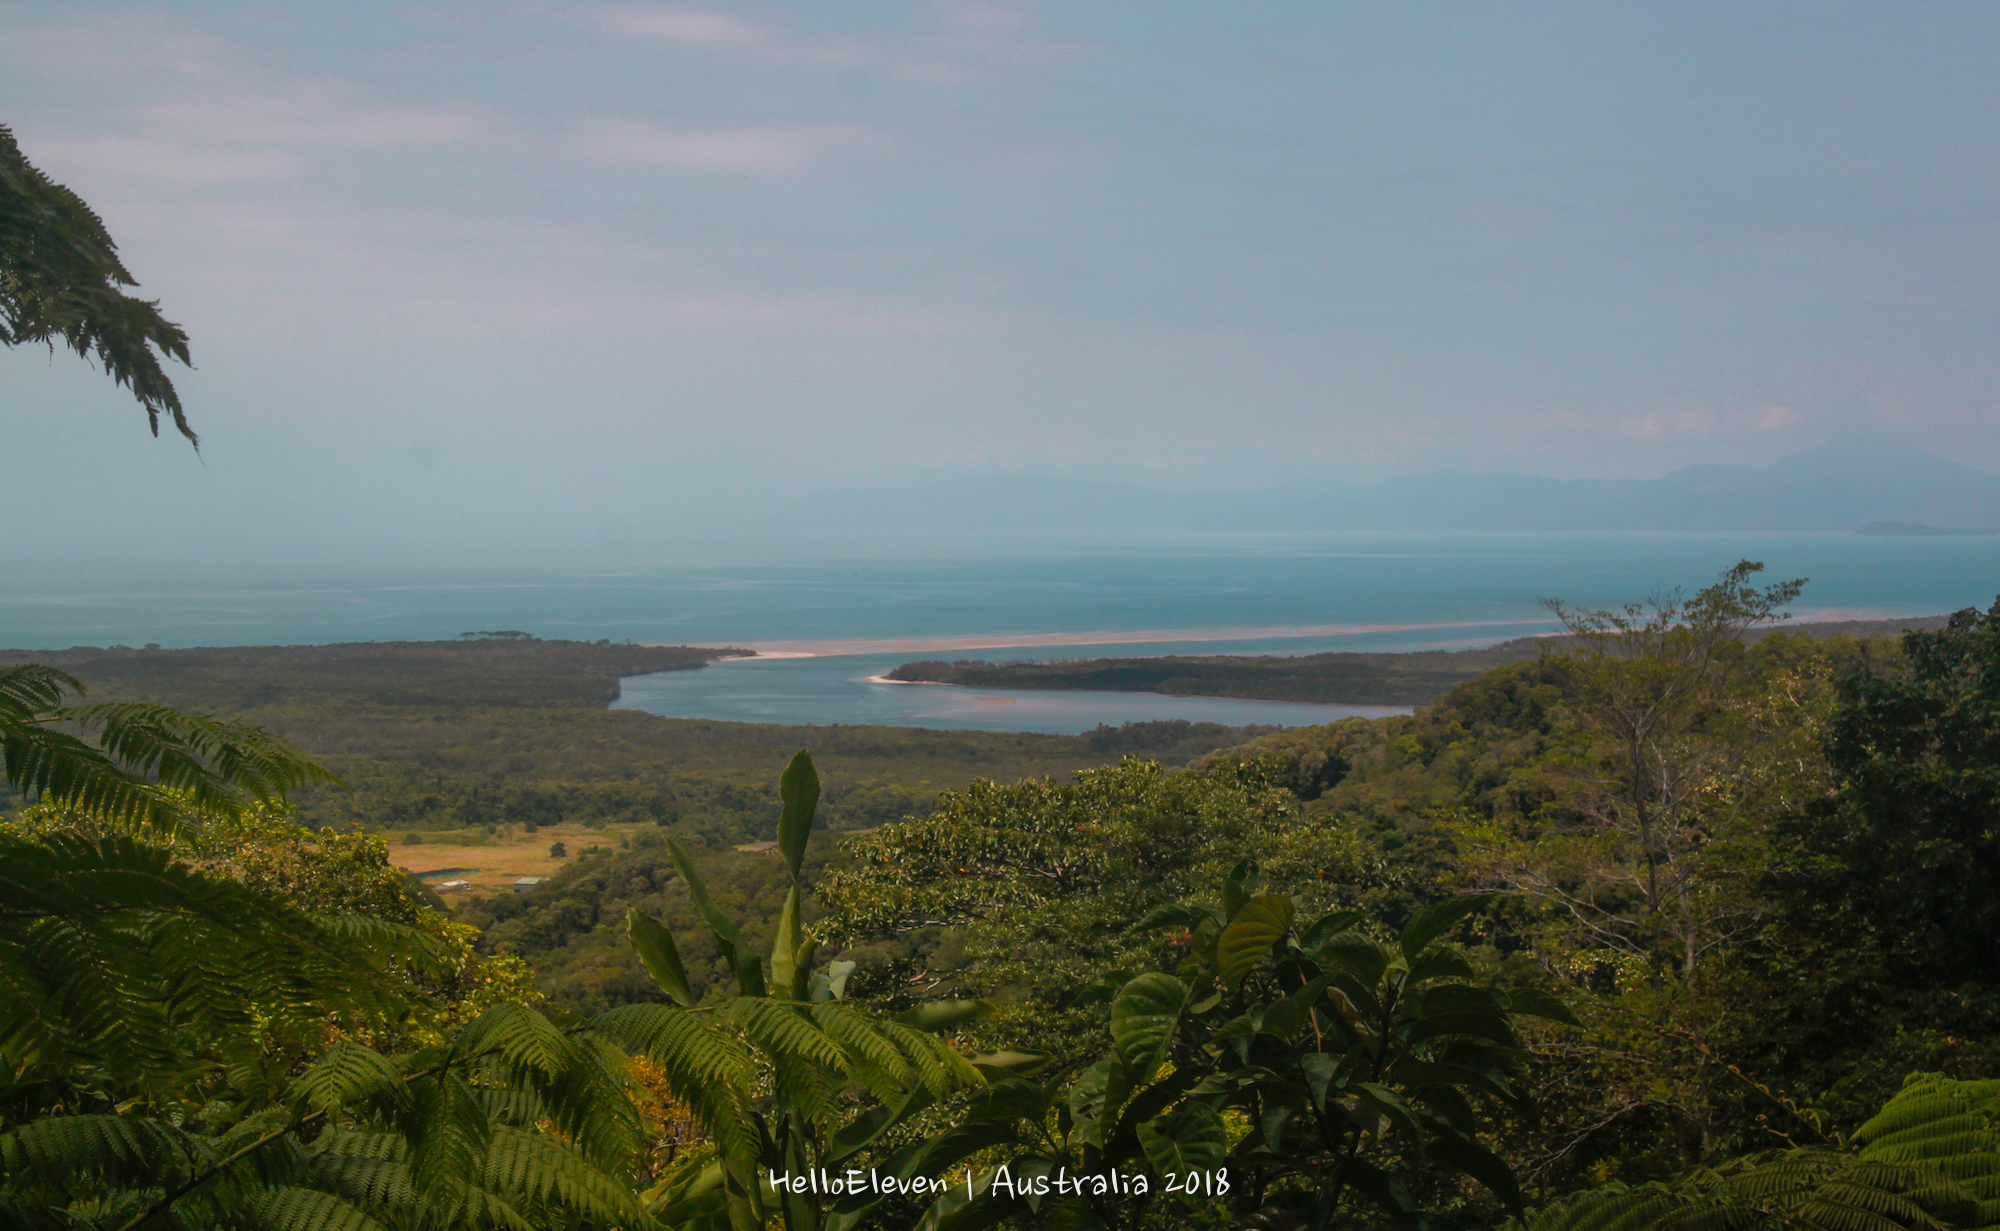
(997, 641)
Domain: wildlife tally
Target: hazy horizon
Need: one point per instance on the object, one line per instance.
(471, 274)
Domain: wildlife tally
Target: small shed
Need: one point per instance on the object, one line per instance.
(528, 884)
(759, 848)
(454, 886)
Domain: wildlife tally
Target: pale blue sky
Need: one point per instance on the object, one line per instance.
(561, 269)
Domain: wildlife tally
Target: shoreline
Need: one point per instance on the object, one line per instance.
(830, 648)
(1006, 641)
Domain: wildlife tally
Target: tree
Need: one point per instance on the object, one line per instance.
(1677, 748)
(60, 280)
(1354, 1070)
(1646, 857)
(787, 1077)
(1886, 920)
(1027, 892)
(1918, 762)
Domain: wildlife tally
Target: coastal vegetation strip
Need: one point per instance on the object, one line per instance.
(1341, 678)
(506, 747)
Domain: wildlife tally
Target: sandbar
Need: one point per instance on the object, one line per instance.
(999, 641)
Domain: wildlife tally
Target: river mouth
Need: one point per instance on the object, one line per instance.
(838, 690)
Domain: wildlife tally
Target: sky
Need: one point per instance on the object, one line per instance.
(567, 272)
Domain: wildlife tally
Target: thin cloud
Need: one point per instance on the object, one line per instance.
(191, 109)
(778, 149)
(963, 42)
(707, 29)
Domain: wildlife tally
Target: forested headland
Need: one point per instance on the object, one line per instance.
(1416, 677)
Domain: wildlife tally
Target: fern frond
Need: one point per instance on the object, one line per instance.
(1794, 1190)
(779, 1031)
(308, 1209)
(703, 1066)
(535, 1170)
(345, 1073)
(75, 1155)
(115, 955)
(1950, 1127)
(875, 1059)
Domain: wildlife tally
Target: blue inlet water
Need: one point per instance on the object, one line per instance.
(1408, 589)
(838, 688)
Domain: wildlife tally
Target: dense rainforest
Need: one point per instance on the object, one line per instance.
(455, 736)
(1676, 923)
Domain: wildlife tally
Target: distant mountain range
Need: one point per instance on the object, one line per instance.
(1891, 489)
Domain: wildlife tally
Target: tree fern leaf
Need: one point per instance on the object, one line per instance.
(702, 1065)
(291, 1208)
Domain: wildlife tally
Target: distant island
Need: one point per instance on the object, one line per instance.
(1339, 678)
(1911, 529)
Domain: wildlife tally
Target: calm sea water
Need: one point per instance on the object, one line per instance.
(1455, 588)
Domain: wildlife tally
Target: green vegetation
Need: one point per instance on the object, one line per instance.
(1589, 934)
(1927, 1160)
(439, 736)
(796, 1033)
(1353, 679)
(60, 280)
(1415, 678)
(1354, 1064)
(1648, 931)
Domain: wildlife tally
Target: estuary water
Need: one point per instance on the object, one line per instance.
(842, 688)
(861, 607)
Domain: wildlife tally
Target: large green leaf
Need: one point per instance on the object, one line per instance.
(728, 938)
(1534, 1002)
(1171, 915)
(1261, 923)
(1143, 1016)
(1008, 1060)
(1094, 1100)
(785, 946)
(1482, 1165)
(1435, 920)
(937, 1015)
(798, 791)
(1191, 1137)
(1328, 926)
(658, 954)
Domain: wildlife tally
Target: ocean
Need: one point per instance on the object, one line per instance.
(861, 607)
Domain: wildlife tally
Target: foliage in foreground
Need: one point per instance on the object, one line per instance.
(135, 762)
(1928, 1160)
(770, 1071)
(1027, 892)
(154, 1015)
(61, 280)
(1281, 1070)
